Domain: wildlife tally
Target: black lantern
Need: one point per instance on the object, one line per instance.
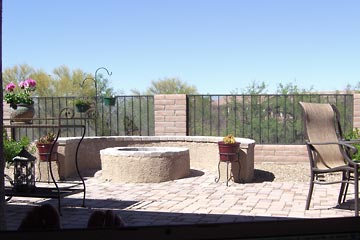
(24, 172)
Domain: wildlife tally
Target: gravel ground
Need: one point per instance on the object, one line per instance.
(285, 172)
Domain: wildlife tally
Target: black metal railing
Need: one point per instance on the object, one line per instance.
(268, 119)
(131, 115)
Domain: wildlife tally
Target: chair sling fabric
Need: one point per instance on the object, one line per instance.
(326, 149)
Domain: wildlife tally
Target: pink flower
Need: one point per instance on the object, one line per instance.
(30, 83)
(22, 84)
(10, 87)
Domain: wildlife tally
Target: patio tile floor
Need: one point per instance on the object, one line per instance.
(193, 200)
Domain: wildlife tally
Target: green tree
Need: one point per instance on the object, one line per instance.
(291, 88)
(255, 88)
(16, 73)
(62, 82)
(170, 86)
(71, 82)
(44, 83)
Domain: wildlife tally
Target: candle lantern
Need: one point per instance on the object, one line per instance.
(24, 172)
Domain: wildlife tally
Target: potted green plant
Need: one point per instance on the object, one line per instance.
(82, 104)
(12, 148)
(229, 148)
(44, 145)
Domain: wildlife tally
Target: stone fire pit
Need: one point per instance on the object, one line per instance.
(144, 164)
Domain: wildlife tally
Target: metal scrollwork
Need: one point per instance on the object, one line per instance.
(95, 79)
(66, 113)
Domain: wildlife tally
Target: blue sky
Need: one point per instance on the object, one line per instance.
(216, 45)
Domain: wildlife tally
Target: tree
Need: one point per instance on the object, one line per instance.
(255, 88)
(291, 88)
(170, 86)
(17, 73)
(62, 82)
(44, 83)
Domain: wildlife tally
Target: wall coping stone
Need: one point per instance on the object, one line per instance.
(244, 142)
(144, 151)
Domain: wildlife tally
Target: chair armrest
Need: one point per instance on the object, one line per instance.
(347, 153)
(352, 149)
(351, 141)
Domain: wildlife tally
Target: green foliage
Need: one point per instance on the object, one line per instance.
(255, 88)
(229, 139)
(83, 101)
(352, 135)
(48, 138)
(274, 119)
(20, 95)
(170, 86)
(17, 73)
(108, 93)
(12, 147)
(62, 82)
(291, 88)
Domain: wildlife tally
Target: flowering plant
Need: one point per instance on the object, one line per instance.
(14, 97)
(229, 139)
(48, 138)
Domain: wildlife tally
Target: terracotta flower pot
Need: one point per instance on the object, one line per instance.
(44, 151)
(228, 151)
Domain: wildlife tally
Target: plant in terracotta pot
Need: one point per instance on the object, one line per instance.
(229, 148)
(44, 145)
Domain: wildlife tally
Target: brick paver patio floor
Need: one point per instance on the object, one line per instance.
(193, 200)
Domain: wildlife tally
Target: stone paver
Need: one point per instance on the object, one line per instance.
(192, 200)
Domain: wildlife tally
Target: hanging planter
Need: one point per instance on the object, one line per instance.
(82, 107)
(82, 104)
(109, 101)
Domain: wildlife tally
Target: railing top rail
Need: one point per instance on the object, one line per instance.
(295, 94)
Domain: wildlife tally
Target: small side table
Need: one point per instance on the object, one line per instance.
(229, 159)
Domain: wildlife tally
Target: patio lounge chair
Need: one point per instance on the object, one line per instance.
(328, 152)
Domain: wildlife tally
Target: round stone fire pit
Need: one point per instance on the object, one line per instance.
(144, 164)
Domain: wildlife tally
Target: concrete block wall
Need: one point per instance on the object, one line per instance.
(280, 153)
(356, 120)
(170, 114)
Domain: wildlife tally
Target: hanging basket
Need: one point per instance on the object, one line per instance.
(109, 101)
(23, 113)
(228, 151)
(82, 107)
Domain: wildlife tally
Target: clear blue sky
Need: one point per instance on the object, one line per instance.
(216, 45)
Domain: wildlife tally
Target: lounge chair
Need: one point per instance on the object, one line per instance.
(328, 151)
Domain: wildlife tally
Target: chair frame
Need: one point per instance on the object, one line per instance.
(349, 170)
